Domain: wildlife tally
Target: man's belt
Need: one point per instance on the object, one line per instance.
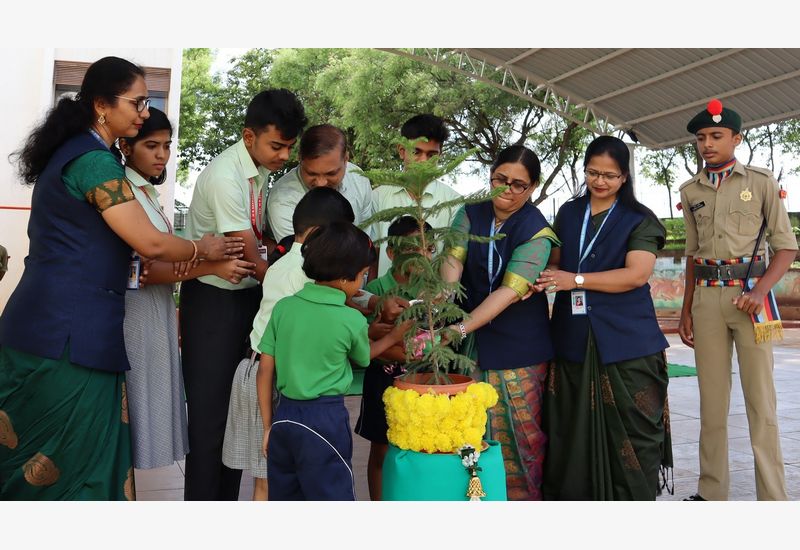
(729, 272)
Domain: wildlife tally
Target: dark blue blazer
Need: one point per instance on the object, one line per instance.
(520, 335)
(624, 324)
(72, 291)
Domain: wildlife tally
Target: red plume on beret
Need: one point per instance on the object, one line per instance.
(714, 107)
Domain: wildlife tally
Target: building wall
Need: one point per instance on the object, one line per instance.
(24, 100)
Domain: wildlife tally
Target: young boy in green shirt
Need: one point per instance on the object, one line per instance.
(310, 341)
(371, 424)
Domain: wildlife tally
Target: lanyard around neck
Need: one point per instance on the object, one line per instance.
(585, 228)
(154, 204)
(492, 249)
(255, 219)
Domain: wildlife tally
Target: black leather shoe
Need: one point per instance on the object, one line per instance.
(695, 496)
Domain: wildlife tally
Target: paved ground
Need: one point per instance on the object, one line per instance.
(167, 483)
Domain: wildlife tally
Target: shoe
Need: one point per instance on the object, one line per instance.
(695, 496)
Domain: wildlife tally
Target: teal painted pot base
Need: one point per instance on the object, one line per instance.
(409, 475)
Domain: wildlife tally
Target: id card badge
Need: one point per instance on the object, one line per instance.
(262, 251)
(578, 300)
(134, 271)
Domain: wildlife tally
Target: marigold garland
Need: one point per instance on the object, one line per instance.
(438, 423)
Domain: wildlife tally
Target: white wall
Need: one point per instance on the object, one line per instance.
(24, 99)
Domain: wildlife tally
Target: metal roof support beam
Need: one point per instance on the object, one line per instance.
(589, 65)
(522, 56)
(669, 74)
(552, 100)
(748, 88)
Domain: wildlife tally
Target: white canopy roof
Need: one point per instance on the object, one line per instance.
(649, 93)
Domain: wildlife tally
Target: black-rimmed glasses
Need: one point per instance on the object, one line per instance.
(141, 103)
(517, 187)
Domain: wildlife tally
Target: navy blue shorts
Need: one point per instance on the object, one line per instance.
(310, 450)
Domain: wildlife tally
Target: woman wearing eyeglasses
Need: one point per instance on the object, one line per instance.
(511, 333)
(606, 414)
(64, 423)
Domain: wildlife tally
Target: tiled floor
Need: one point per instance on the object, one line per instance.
(167, 483)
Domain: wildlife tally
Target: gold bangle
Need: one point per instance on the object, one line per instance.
(194, 256)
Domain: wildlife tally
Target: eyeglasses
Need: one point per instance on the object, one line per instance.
(607, 177)
(517, 187)
(141, 103)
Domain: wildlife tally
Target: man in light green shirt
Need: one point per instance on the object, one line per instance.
(387, 196)
(323, 163)
(216, 316)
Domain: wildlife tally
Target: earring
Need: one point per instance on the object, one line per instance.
(102, 119)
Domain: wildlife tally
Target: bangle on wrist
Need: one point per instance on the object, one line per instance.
(194, 255)
(462, 329)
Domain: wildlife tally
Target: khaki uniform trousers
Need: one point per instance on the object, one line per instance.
(717, 324)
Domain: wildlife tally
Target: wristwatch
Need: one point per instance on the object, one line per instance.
(579, 280)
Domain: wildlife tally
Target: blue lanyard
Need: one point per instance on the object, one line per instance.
(97, 137)
(586, 227)
(492, 249)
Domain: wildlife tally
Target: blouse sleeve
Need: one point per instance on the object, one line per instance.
(528, 260)
(649, 236)
(462, 224)
(98, 178)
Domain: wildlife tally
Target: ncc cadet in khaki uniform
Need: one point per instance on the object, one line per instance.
(724, 207)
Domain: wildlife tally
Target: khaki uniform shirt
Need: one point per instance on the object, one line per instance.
(723, 223)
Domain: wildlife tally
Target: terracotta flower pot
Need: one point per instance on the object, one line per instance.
(419, 382)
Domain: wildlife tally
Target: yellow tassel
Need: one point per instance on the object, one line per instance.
(771, 331)
(475, 489)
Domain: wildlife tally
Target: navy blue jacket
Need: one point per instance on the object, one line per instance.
(520, 335)
(624, 324)
(73, 288)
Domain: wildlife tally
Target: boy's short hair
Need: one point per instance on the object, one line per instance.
(405, 225)
(278, 107)
(321, 206)
(337, 251)
(427, 126)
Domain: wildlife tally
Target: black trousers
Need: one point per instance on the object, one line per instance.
(215, 329)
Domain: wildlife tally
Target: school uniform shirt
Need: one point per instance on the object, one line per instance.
(221, 202)
(284, 278)
(723, 222)
(290, 188)
(147, 195)
(389, 196)
(314, 337)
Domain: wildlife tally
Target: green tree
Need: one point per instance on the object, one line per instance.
(660, 167)
(196, 86)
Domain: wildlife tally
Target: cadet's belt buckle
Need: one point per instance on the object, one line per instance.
(728, 271)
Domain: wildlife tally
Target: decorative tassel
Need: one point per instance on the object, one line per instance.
(767, 324)
(771, 331)
(475, 489)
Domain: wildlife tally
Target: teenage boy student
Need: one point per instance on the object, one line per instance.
(323, 163)
(431, 128)
(726, 207)
(371, 424)
(216, 316)
(310, 342)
